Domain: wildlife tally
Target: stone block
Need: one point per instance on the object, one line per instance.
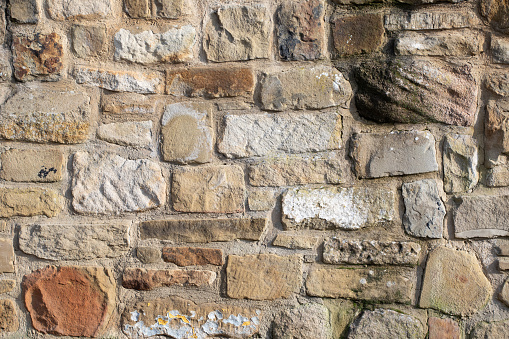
(496, 132)
(148, 255)
(494, 329)
(130, 133)
(88, 41)
(6, 256)
(460, 163)
(28, 202)
(498, 82)
(443, 43)
(24, 11)
(497, 176)
(357, 34)
(189, 256)
(440, 328)
(295, 242)
(146, 280)
(169, 9)
(127, 104)
(8, 316)
(5, 66)
(7, 285)
(261, 200)
(137, 8)
(120, 81)
(503, 265)
(79, 10)
(384, 323)
(495, 13)
(431, 19)
(481, 216)
(341, 314)
(41, 165)
(305, 321)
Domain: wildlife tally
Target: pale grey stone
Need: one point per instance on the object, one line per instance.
(254, 135)
(149, 255)
(444, 43)
(384, 323)
(75, 9)
(482, 216)
(109, 184)
(304, 321)
(460, 163)
(5, 65)
(6, 256)
(75, 242)
(424, 210)
(495, 329)
(261, 200)
(431, 19)
(130, 133)
(497, 176)
(500, 50)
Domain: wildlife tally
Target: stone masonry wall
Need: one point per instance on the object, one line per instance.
(254, 169)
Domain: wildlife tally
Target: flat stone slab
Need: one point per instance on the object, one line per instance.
(482, 217)
(384, 323)
(441, 43)
(145, 280)
(429, 20)
(129, 133)
(29, 202)
(6, 256)
(41, 165)
(188, 256)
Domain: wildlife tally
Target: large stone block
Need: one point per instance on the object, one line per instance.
(430, 19)
(384, 323)
(73, 9)
(442, 43)
(28, 202)
(357, 34)
(305, 321)
(146, 280)
(497, 81)
(6, 256)
(482, 216)
(41, 165)
(460, 163)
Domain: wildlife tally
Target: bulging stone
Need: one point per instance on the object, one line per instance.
(130, 133)
(445, 43)
(28, 202)
(237, 32)
(430, 20)
(384, 323)
(305, 321)
(454, 283)
(72, 10)
(24, 11)
(481, 216)
(146, 280)
(495, 329)
(72, 301)
(443, 328)
(6, 256)
(39, 165)
(189, 256)
(357, 34)
(337, 207)
(109, 184)
(88, 41)
(496, 132)
(496, 13)
(417, 91)
(8, 316)
(460, 163)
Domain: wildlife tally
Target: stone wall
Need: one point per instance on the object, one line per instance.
(272, 169)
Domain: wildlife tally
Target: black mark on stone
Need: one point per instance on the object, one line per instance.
(43, 173)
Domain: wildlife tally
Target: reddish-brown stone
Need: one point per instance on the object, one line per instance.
(357, 34)
(145, 280)
(187, 256)
(73, 301)
(37, 56)
(443, 328)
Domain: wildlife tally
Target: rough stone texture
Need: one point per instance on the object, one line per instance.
(300, 30)
(42, 165)
(384, 323)
(498, 82)
(7, 285)
(148, 255)
(238, 32)
(147, 47)
(429, 20)
(338, 207)
(503, 264)
(75, 242)
(342, 313)
(496, 131)
(127, 104)
(454, 283)
(72, 10)
(253, 135)
(179, 318)
(395, 153)
(374, 284)
(28, 202)
(370, 252)
(41, 113)
(357, 34)
(88, 41)
(146, 280)
(460, 163)
(295, 242)
(24, 11)
(304, 88)
(305, 321)
(424, 210)
(496, 14)
(188, 256)
(109, 184)
(261, 200)
(5, 65)
(203, 230)
(464, 43)
(443, 329)
(130, 133)
(37, 57)
(186, 133)
(6, 256)
(496, 329)
(263, 276)
(120, 81)
(497, 176)
(169, 9)
(215, 189)
(137, 8)
(73, 301)
(8, 316)
(482, 216)
(210, 82)
(500, 50)
(417, 91)
(503, 248)
(503, 296)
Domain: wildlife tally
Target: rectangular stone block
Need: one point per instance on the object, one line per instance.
(497, 176)
(169, 9)
(189, 256)
(203, 230)
(129, 133)
(28, 202)
(429, 20)
(84, 10)
(7, 285)
(295, 242)
(496, 132)
(261, 200)
(89, 41)
(137, 8)
(24, 11)
(503, 264)
(460, 163)
(127, 103)
(32, 165)
(500, 49)
(6, 256)
(445, 43)
(146, 280)
(396, 153)
(481, 217)
(497, 81)
(357, 34)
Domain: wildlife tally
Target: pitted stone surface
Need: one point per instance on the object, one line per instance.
(442, 43)
(495, 329)
(7, 285)
(498, 82)
(384, 323)
(496, 13)
(24, 11)
(130, 133)
(71, 9)
(305, 321)
(481, 216)
(146, 280)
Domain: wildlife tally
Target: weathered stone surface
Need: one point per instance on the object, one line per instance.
(146, 280)
(147, 47)
(357, 34)
(295, 242)
(384, 323)
(148, 255)
(203, 230)
(215, 189)
(496, 329)
(370, 252)
(305, 321)
(186, 133)
(498, 82)
(430, 19)
(460, 163)
(504, 294)
(210, 82)
(41, 165)
(444, 43)
(496, 131)
(304, 88)
(500, 50)
(47, 113)
(253, 135)
(290, 171)
(169, 9)
(338, 207)
(5, 66)
(238, 32)
(263, 276)
(4, 227)
(71, 10)
(8, 316)
(88, 41)
(503, 247)
(188, 256)
(179, 318)
(454, 283)
(497, 176)
(109, 184)
(503, 264)
(24, 11)
(7, 285)
(127, 103)
(300, 30)
(74, 242)
(137, 8)
(73, 301)
(395, 153)
(37, 56)
(261, 200)
(443, 329)
(120, 81)
(28, 202)
(6, 256)
(373, 284)
(417, 91)
(424, 210)
(130, 133)
(482, 216)
(496, 14)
